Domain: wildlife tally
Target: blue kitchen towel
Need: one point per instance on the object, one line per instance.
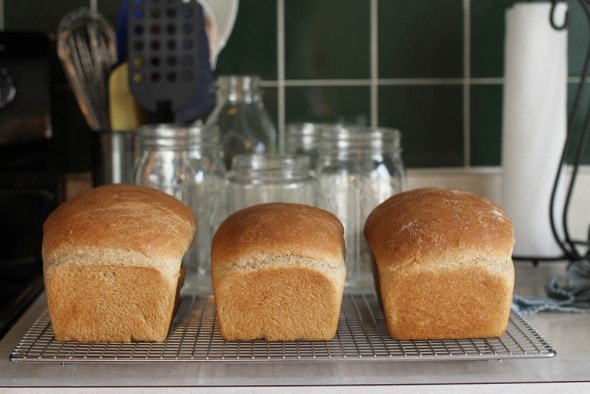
(573, 297)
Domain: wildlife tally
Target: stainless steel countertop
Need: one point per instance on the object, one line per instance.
(568, 333)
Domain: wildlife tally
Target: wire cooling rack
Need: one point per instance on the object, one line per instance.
(362, 335)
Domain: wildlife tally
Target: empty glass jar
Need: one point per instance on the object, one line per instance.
(304, 138)
(243, 121)
(186, 162)
(257, 178)
(359, 167)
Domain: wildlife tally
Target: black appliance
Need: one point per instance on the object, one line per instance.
(30, 183)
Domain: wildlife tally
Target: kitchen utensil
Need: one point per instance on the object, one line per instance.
(203, 100)
(168, 59)
(124, 111)
(113, 156)
(86, 49)
(113, 150)
(221, 15)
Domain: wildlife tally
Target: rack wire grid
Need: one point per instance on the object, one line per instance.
(362, 335)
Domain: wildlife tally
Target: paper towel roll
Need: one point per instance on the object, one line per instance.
(534, 123)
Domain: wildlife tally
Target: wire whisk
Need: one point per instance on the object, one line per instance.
(86, 49)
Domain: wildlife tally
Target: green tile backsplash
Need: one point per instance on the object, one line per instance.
(431, 68)
(433, 114)
(324, 40)
(252, 46)
(487, 48)
(486, 110)
(420, 39)
(328, 104)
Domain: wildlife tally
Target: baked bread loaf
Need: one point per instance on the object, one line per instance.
(278, 273)
(443, 264)
(112, 263)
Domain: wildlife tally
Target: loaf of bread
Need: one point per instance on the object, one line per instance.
(278, 273)
(112, 261)
(443, 264)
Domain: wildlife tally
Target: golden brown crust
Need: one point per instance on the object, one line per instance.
(277, 229)
(444, 263)
(122, 217)
(112, 263)
(278, 273)
(425, 225)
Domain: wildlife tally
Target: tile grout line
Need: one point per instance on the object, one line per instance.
(466, 84)
(374, 45)
(392, 82)
(281, 74)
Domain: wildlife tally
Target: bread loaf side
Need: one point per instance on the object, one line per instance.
(443, 261)
(112, 263)
(278, 273)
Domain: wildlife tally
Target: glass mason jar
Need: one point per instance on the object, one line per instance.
(257, 179)
(243, 121)
(359, 167)
(186, 162)
(304, 139)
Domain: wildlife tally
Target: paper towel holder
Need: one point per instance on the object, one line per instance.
(567, 244)
(552, 16)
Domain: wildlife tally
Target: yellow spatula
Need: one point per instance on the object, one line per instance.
(124, 111)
